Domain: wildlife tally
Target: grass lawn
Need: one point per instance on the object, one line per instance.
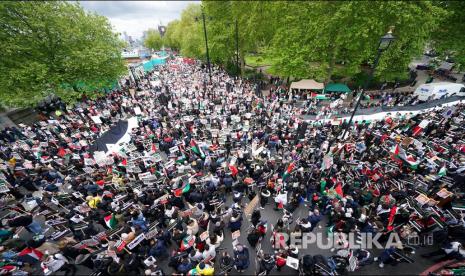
(258, 60)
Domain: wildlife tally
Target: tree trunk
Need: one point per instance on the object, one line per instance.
(332, 62)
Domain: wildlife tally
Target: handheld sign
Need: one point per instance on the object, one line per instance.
(236, 234)
(136, 241)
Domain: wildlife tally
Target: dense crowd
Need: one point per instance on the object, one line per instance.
(210, 161)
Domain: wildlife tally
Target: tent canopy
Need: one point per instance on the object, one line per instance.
(153, 62)
(307, 84)
(337, 87)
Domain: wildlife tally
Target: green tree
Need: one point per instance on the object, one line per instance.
(55, 47)
(171, 38)
(449, 37)
(153, 40)
(319, 39)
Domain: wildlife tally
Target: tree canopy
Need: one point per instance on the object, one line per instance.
(323, 38)
(153, 39)
(55, 47)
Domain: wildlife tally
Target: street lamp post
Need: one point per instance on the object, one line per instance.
(237, 49)
(206, 45)
(384, 44)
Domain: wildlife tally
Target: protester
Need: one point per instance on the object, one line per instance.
(201, 159)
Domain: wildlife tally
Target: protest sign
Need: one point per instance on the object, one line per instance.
(136, 241)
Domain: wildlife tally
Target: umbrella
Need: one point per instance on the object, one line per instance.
(30, 255)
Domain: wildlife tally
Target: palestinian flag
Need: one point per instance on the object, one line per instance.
(178, 192)
(288, 171)
(442, 171)
(187, 243)
(413, 164)
(110, 221)
(196, 149)
(30, 255)
(124, 162)
(398, 153)
(181, 159)
(419, 128)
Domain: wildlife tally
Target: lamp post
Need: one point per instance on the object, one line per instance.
(383, 45)
(237, 49)
(206, 43)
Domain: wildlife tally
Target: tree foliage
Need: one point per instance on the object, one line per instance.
(153, 39)
(449, 38)
(55, 47)
(320, 39)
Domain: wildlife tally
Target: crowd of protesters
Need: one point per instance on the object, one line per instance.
(211, 160)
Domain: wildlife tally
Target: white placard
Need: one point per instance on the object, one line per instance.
(292, 262)
(136, 241)
(137, 110)
(174, 149)
(96, 119)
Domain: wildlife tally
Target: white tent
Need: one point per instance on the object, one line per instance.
(307, 84)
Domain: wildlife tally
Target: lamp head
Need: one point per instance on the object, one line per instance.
(386, 40)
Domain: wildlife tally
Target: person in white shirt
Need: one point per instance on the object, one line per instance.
(57, 262)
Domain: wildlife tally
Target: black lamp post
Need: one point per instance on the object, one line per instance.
(384, 44)
(237, 49)
(206, 44)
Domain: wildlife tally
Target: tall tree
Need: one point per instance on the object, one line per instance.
(318, 39)
(55, 47)
(171, 38)
(153, 40)
(449, 37)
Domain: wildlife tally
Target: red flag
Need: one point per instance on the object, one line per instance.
(417, 130)
(338, 189)
(124, 162)
(392, 214)
(290, 167)
(61, 152)
(234, 170)
(178, 192)
(33, 253)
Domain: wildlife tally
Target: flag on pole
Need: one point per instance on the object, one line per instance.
(184, 189)
(398, 153)
(288, 170)
(110, 221)
(413, 164)
(196, 149)
(419, 128)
